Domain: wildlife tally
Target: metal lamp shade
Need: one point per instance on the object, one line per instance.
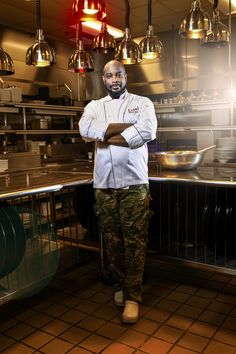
(104, 42)
(40, 54)
(151, 46)
(89, 10)
(128, 52)
(6, 64)
(196, 24)
(80, 61)
(220, 34)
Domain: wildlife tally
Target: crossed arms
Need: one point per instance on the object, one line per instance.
(113, 134)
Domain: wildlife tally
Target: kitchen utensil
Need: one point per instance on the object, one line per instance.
(181, 160)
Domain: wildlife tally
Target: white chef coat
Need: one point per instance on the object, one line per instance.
(117, 166)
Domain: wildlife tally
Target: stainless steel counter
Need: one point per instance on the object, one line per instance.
(212, 175)
(54, 177)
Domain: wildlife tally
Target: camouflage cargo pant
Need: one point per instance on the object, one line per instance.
(123, 217)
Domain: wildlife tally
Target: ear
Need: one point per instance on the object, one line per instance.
(103, 79)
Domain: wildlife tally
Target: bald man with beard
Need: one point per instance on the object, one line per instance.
(121, 124)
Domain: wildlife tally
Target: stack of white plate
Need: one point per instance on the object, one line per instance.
(225, 150)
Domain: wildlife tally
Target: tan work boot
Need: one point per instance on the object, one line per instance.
(131, 312)
(119, 298)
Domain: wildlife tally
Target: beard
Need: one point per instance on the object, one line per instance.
(116, 93)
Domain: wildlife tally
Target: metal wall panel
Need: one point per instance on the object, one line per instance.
(16, 43)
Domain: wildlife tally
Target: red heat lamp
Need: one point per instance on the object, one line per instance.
(89, 10)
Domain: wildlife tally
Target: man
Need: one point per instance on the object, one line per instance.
(121, 124)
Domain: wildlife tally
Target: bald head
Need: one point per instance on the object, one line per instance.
(113, 64)
(114, 78)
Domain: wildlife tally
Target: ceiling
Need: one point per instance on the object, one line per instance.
(57, 18)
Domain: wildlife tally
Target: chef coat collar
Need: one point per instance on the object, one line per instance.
(122, 96)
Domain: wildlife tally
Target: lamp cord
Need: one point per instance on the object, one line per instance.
(149, 12)
(80, 30)
(38, 15)
(215, 5)
(127, 13)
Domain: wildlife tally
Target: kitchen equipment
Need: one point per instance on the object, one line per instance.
(12, 239)
(23, 160)
(16, 94)
(39, 123)
(226, 142)
(181, 160)
(5, 94)
(3, 164)
(225, 149)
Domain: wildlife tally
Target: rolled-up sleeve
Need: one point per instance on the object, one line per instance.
(90, 127)
(144, 130)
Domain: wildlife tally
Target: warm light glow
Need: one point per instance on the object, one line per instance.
(42, 63)
(115, 32)
(129, 61)
(90, 12)
(232, 92)
(150, 55)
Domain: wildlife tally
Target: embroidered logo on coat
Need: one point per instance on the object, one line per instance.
(133, 110)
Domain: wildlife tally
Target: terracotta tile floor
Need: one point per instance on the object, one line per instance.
(75, 314)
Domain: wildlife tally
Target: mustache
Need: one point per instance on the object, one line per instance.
(115, 85)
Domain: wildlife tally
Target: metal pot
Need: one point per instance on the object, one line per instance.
(181, 160)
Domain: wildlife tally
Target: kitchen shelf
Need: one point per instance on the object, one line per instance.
(28, 120)
(197, 128)
(7, 131)
(47, 107)
(39, 132)
(9, 109)
(46, 131)
(196, 105)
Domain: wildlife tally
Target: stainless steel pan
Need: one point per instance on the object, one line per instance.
(181, 160)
